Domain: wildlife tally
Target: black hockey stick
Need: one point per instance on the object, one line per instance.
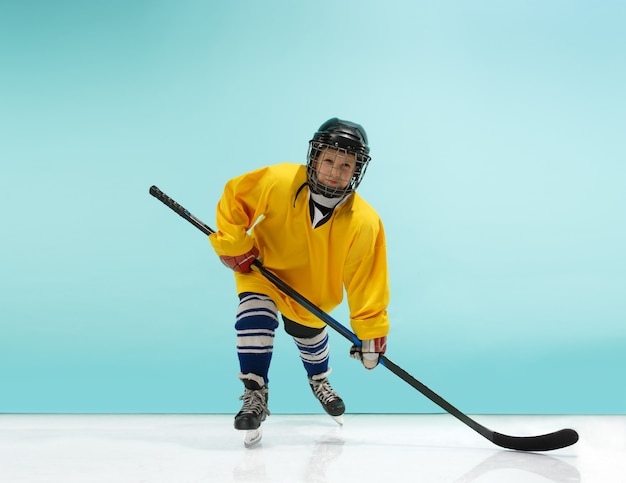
(545, 442)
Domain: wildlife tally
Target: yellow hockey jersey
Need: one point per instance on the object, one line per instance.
(269, 208)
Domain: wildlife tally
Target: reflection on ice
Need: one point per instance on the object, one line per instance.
(552, 469)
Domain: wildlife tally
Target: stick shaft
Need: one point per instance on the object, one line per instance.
(171, 204)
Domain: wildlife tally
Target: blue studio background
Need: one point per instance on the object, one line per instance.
(497, 136)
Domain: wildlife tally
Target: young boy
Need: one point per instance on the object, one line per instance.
(308, 226)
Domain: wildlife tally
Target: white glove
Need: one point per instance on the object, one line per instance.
(370, 351)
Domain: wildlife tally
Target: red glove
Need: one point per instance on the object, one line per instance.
(241, 263)
(370, 351)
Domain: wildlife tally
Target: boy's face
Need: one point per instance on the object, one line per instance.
(335, 168)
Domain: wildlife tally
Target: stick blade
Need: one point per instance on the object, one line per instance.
(545, 442)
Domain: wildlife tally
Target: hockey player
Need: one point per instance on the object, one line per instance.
(307, 225)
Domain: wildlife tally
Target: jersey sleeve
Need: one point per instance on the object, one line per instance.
(367, 285)
(241, 205)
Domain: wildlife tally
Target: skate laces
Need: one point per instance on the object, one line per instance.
(323, 390)
(254, 402)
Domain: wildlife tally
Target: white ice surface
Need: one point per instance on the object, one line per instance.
(302, 448)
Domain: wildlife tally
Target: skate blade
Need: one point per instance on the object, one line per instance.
(252, 437)
(338, 419)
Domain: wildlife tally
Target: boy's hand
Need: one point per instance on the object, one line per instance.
(370, 351)
(241, 263)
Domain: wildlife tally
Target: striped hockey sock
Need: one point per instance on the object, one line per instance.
(257, 320)
(314, 352)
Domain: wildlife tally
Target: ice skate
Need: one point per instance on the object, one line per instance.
(252, 437)
(328, 398)
(253, 412)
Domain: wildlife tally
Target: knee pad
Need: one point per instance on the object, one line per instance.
(256, 311)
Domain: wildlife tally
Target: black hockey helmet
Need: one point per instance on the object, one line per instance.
(341, 135)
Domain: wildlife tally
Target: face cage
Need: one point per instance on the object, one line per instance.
(315, 149)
